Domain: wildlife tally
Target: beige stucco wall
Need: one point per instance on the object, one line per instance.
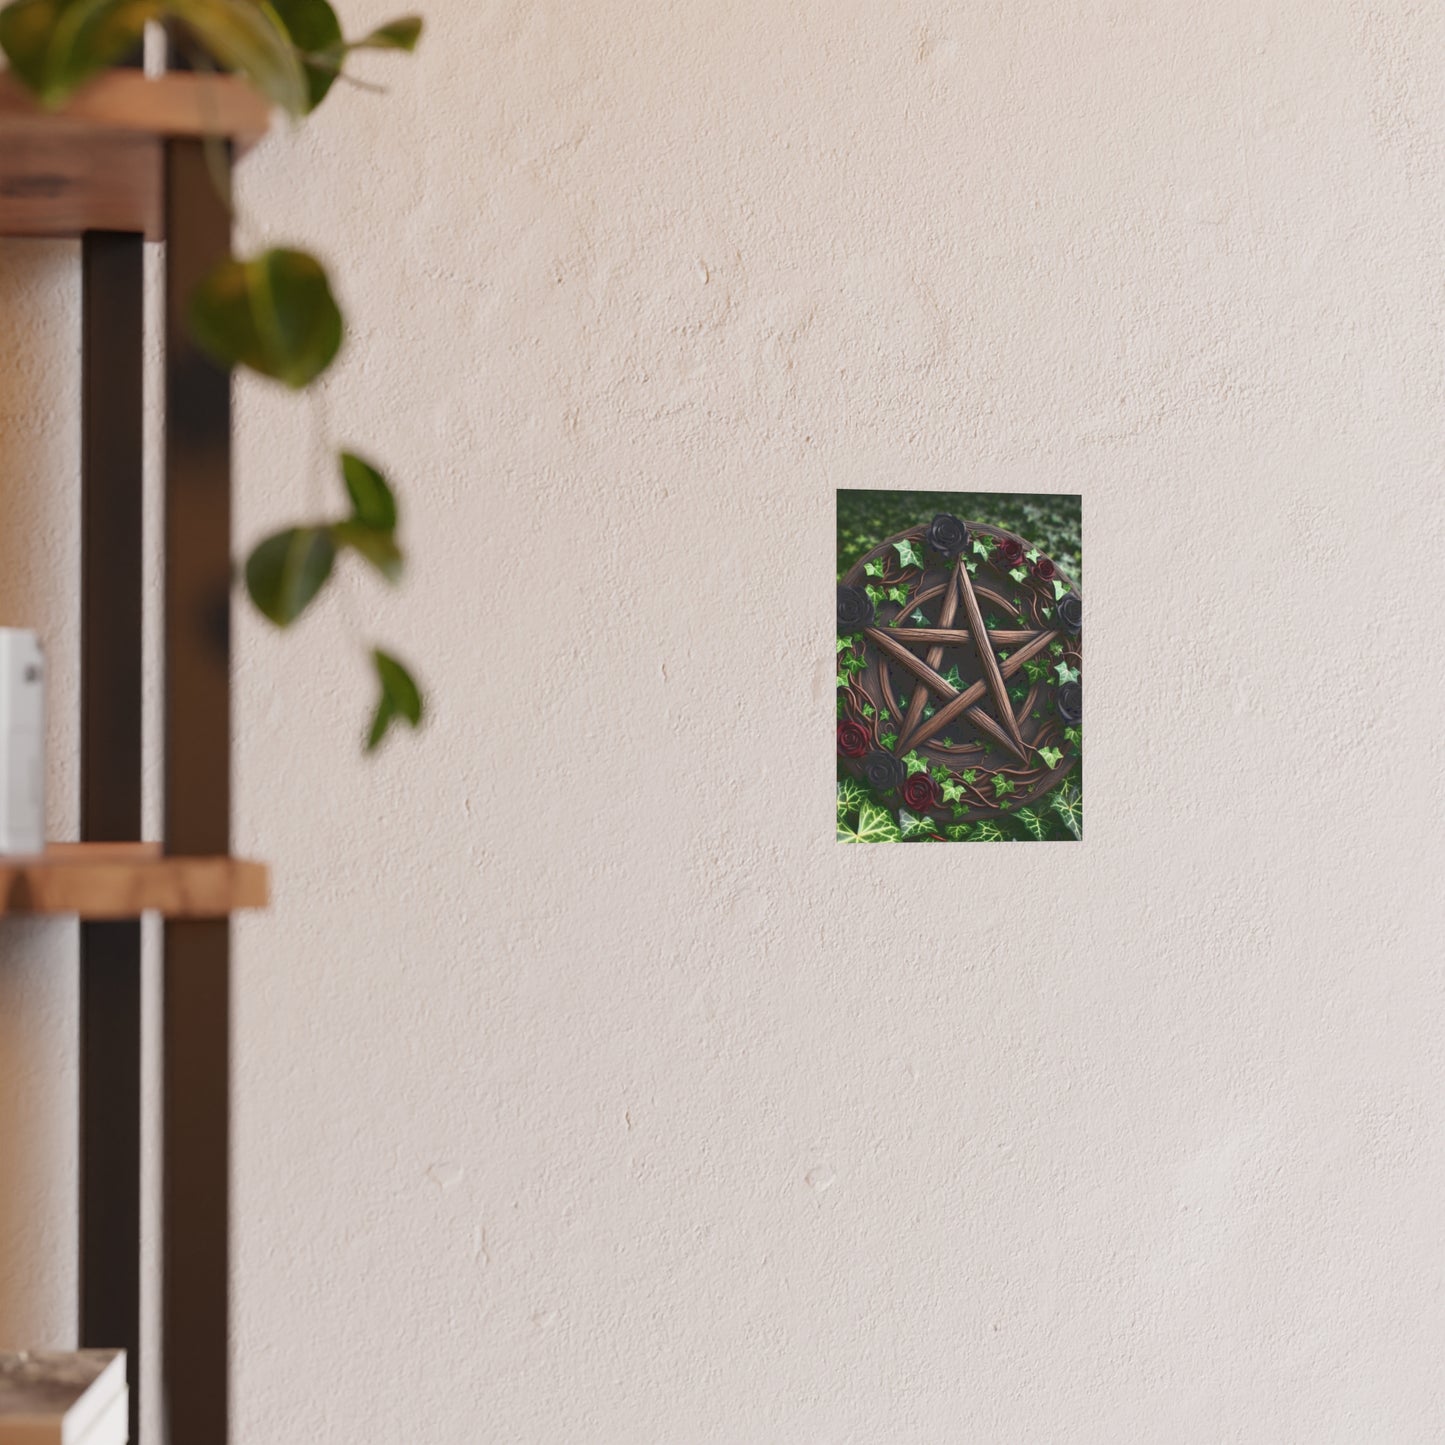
(586, 1090)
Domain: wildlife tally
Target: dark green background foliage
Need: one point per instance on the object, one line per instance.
(1050, 522)
(1053, 523)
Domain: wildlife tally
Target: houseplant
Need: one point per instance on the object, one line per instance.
(273, 313)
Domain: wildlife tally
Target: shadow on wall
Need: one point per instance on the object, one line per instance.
(39, 460)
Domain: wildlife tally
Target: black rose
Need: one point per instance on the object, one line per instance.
(1071, 611)
(883, 771)
(947, 535)
(855, 609)
(1071, 702)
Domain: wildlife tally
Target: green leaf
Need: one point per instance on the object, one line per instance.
(1069, 805)
(399, 34)
(372, 501)
(843, 679)
(907, 554)
(1018, 573)
(952, 790)
(915, 762)
(400, 698)
(1002, 785)
(972, 568)
(898, 595)
(969, 775)
(1050, 756)
(939, 773)
(851, 796)
(1059, 588)
(1056, 649)
(274, 314)
(988, 832)
(1033, 554)
(952, 678)
(876, 825)
(286, 571)
(1066, 673)
(873, 569)
(55, 46)
(316, 33)
(846, 834)
(911, 825)
(876, 595)
(868, 711)
(887, 741)
(249, 38)
(1035, 822)
(981, 547)
(378, 548)
(919, 618)
(1074, 735)
(846, 642)
(958, 832)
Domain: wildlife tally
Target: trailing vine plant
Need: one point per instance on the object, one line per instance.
(273, 313)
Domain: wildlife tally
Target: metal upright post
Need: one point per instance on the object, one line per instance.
(197, 1031)
(112, 347)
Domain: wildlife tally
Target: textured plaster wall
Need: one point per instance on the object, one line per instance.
(586, 1090)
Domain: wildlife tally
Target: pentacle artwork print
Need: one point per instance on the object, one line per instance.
(960, 667)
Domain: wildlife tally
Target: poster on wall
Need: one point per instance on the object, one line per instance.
(960, 667)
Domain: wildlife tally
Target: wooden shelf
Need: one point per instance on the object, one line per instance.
(124, 880)
(97, 163)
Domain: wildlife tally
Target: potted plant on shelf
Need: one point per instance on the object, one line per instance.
(273, 313)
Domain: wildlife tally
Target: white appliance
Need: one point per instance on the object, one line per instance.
(22, 723)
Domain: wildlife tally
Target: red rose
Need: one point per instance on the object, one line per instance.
(1011, 550)
(852, 739)
(919, 792)
(1044, 570)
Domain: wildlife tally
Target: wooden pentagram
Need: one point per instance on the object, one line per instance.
(986, 640)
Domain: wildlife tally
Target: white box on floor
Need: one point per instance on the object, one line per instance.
(49, 1397)
(22, 731)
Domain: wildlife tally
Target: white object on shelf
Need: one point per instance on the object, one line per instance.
(22, 727)
(48, 1397)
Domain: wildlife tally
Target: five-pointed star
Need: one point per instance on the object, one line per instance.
(894, 644)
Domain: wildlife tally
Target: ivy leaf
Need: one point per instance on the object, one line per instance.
(875, 594)
(939, 774)
(1059, 588)
(911, 825)
(400, 698)
(873, 569)
(915, 763)
(876, 825)
(888, 741)
(851, 796)
(988, 832)
(372, 501)
(1056, 649)
(251, 40)
(1035, 822)
(1069, 805)
(843, 679)
(981, 547)
(868, 711)
(952, 790)
(898, 595)
(1050, 756)
(972, 568)
(274, 314)
(969, 775)
(846, 642)
(952, 678)
(1033, 554)
(919, 618)
(1066, 673)
(1018, 573)
(958, 832)
(1002, 786)
(907, 554)
(1074, 735)
(286, 571)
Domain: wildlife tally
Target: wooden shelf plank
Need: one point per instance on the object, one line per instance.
(95, 164)
(124, 880)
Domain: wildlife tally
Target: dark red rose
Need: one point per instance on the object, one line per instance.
(1010, 551)
(919, 792)
(852, 739)
(1044, 570)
